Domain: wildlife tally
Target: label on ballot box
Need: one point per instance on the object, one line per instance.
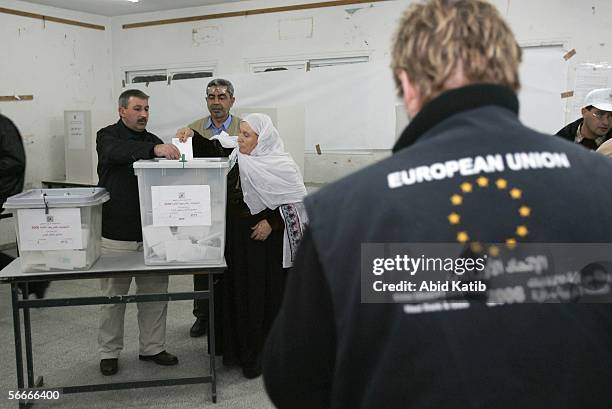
(55, 229)
(185, 205)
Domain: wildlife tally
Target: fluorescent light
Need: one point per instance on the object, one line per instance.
(133, 1)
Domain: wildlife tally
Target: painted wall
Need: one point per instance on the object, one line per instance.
(230, 44)
(64, 67)
(69, 68)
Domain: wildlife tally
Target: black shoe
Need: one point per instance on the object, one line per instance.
(199, 328)
(163, 358)
(109, 366)
(251, 372)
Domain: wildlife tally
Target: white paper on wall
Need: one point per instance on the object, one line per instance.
(350, 107)
(183, 205)
(588, 77)
(76, 131)
(540, 103)
(59, 229)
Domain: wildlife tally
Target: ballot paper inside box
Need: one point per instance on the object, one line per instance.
(58, 229)
(182, 208)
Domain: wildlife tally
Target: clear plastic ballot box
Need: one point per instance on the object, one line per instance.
(182, 208)
(58, 229)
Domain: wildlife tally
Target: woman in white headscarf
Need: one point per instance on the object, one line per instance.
(271, 179)
(264, 226)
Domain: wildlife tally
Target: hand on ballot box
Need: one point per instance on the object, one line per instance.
(168, 151)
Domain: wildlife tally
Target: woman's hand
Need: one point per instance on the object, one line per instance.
(184, 133)
(261, 230)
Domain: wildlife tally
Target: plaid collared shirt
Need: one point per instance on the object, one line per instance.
(579, 138)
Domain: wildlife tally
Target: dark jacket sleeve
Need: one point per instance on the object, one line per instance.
(206, 148)
(300, 351)
(274, 218)
(569, 131)
(113, 150)
(12, 154)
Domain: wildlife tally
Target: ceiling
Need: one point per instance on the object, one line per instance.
(121, 7)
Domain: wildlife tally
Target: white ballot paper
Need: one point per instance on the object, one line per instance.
(60, 229)
(66, 259)
(186, 147)
(155, 235)
(185, 205)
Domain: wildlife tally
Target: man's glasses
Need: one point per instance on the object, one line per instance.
(601, 115)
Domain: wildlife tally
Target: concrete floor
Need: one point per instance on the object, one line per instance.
(65, 353)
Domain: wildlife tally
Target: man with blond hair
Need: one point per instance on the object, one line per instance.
(464, 172)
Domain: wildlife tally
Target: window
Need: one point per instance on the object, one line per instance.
(166, 74)
(189, 75)
(328, 62)
(277, 66)
(305, 64)
(136, 77)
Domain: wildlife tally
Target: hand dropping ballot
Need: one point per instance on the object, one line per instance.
(186, 148)
(226, 140)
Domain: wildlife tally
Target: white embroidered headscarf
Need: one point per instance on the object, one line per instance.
(269, 176)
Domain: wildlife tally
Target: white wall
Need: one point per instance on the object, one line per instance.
(336, 31)
(64, 67)
(240, 39)
(584, 26)
(234, 42)
(68, 67)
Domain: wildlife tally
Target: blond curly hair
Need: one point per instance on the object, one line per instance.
(438, 38)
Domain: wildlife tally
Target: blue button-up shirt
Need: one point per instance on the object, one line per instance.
(224, 126)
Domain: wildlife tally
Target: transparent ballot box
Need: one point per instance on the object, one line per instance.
(182, 208)
(58, 229)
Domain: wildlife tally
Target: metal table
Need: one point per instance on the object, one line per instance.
(109, 265)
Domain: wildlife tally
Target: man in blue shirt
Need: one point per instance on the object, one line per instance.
(219, 101)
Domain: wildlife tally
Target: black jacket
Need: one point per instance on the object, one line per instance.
(118, 148)
(12, 160)
(328, 349)
(569, 131)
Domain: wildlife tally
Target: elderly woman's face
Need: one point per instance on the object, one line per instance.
(247, 140)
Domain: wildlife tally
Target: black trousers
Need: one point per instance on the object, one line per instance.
(200, 307)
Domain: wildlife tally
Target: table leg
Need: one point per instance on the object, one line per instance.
(211, 336)
(28, 340)
(17, 334)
